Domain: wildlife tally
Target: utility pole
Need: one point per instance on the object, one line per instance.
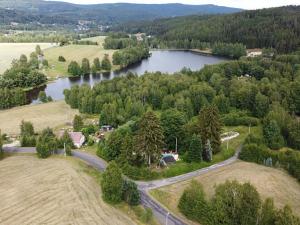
(167, 217)
(176, 144)
(65, 153)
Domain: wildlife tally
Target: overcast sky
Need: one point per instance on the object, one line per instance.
(245, 4)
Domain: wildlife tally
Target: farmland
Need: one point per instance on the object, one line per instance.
(269, 182)
(73, 53)
(43, 115)
(10, 51)
(52, 191)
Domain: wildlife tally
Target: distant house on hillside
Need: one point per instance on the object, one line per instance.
(77, 137)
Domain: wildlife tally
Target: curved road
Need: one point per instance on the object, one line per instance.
(161, 213)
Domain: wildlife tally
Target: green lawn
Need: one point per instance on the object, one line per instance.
(74, 53)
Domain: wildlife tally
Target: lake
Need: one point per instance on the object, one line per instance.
(163, 60)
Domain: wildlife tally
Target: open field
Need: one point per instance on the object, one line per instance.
(11, 51)
(52, 191)
(98, 39)
(51, 115)
(73, 53)
(270, 182)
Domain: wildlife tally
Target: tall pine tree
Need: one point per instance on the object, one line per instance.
(149, 139)
(210, 127)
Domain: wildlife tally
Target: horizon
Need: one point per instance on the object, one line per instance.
(247, 4)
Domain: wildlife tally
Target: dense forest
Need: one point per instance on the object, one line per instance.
(250, 92)
(266, 28)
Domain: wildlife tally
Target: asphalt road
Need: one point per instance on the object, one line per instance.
(160, 213)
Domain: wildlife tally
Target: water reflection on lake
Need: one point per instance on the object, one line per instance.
(164, 61)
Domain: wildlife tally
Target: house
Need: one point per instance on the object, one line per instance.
(77, 137)
(254, 52)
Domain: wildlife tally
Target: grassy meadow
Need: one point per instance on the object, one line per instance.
(11, 51)
(74, 53)
(269, 182)
(53, 115)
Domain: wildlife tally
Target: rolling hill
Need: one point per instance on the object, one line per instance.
(103, 13)
(274, 27)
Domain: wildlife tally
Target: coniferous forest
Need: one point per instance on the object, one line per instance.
(266, 28)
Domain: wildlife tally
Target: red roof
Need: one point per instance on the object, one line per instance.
(75, 136)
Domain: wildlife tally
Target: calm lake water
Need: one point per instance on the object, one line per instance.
(164, 61)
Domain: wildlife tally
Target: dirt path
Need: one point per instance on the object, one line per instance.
(51, 191)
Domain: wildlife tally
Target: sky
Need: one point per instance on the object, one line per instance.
(245, 4)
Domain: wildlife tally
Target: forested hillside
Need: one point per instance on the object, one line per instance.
(66, 13)
(270, 28)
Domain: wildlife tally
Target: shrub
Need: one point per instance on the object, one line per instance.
(131, 193)
(239, 118)
(28, 141)
(61, 59)
(46, 144)
(139, 173)
(193, 204)
(112, 184)
(147, 215)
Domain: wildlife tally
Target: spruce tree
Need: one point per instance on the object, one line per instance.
(195, 149)
(149, 139)
(210, 127)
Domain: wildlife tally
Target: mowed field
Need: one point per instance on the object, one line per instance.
(74, 53)
(11, 51)
(52, 191)
(51, 115)
(273, 183)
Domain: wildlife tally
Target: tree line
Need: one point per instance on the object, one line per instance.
(233, 204)
(129, 56)
(119, 41)
(86, 68)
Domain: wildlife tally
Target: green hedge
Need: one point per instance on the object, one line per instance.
(239, 118)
